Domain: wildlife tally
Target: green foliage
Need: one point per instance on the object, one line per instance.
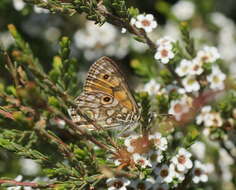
(133, 12)
(144, 67)
(64, 69)
(30, 107)
(146, 115)
(117, 7)
(22, 151)
(193, 134)
(226, 105)
(163, 7)
(189, 42)
(34, 101)
(90, 8)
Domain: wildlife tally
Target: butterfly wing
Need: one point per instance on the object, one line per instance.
(106, 98)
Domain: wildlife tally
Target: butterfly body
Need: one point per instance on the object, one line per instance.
(106, 98)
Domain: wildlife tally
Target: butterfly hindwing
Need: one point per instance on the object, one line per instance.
(104, 76)
(106, 98)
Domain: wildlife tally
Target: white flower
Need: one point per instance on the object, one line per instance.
(225, 162)
(179, 107)
(181, 90)
(213, 119)
(129, 140)
(29, 167)
(43, 179)
(208, 54)
(18, 4)
(216, 79)
(203, 115)
(152, 87)
(190, 84)
(145, 22)
(199, 149)
(159, 141)
(166, 41)
(158, 186)
(206, 132)
(96, 41)
(117, 162)
(28, 188)
(196, 67)
(182, 160)
(141, 160)
(6, 39)
(123, 30)
(165, 173)
(93, 36)
(142, 184)
(52, 34)
(164, 54)
(179, 175)
(171, 29)
(184, 67)
(155, 157)
(220, 20)
(117, 183)
(14, 188)
(18, 179)
(183, 10)
(199, 172)
(119, 48)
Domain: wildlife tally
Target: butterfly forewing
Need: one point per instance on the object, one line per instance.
(106, 98)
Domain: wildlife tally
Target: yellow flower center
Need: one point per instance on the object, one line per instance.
(118, 184)
(181, 159)
(164, 173)
(146, 22)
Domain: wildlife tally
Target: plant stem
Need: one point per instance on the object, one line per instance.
(29, 184)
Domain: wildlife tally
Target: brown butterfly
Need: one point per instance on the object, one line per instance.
(106, 98)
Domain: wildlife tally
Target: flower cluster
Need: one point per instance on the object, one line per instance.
(97, 41)
(149, 152)
(183, 10)
(226, 43)
(200, 172)
(164, 51)
(192, 70)
(209, 118)
(145, 22)
(20, 4)
(152, 87)
(180, 107)
(200, 74)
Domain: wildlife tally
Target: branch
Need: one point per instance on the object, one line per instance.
(64, 149)
(11, 68)
(101, 11)
(75, 128)
(54, 6)
(117, 21)
(6, 114)
(29, 184)
(140, 33)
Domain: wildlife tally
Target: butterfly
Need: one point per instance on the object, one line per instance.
(106, 99)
